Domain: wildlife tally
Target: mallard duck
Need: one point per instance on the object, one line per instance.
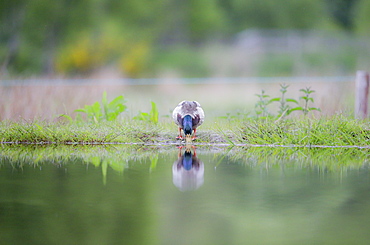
(188, 115)
(188, 170)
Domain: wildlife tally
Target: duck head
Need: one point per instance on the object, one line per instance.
(187, 161)
(187, 125)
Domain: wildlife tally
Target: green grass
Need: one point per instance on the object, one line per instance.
(322, 159)
(303, 131)
(79, 132)
(121, 157)
(334, 131)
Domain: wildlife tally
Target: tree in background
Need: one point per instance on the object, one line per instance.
(80, 36)
(342, 11)
(272, 14)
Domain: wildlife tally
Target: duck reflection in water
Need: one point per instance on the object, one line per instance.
(188, 170)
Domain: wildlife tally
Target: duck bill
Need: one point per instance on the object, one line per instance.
(188, 139)
(188, 148)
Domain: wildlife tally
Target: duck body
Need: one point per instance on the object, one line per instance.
(188, 115)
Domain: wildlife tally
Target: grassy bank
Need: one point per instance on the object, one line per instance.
(304, 131)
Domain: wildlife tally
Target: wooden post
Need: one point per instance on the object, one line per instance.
(362, 92)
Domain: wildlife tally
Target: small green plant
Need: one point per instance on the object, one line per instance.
(152, 116)
(306, 99)
(284, 108)
(262, 103)
(104, 110)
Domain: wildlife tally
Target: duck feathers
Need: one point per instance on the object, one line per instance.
(191, 108)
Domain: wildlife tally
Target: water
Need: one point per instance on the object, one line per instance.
(151, 195)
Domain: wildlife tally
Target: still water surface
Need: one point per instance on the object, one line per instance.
(156, 196)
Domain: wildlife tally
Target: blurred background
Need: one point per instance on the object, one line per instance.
(194, 38)
(174, 39)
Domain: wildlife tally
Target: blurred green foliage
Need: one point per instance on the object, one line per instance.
(152, 116)
(79, 37)
(104, 110)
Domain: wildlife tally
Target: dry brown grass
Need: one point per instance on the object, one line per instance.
(48, 100)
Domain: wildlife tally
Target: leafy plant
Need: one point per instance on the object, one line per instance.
(152, 116)
(307, 99)
(262, 103)
(104, 110)
(284, 108)
(113, 109)
(93, 111)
